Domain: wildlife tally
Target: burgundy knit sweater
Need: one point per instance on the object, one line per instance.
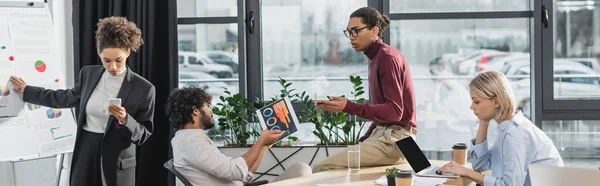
(391, 90)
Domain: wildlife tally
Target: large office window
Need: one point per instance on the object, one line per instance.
(416, 6)
(303, 42)
(446, 44)
(206, 8)
(571, 79)
(552, 63)
(570, 83)
(576, 50)
(208, 48)
(444, 55)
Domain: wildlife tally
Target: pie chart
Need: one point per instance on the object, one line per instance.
(53, 113)
(40, 66)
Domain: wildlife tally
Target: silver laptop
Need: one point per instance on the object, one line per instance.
(418, 161)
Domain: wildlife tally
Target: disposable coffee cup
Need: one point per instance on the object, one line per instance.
(404, 178)
(459, 151)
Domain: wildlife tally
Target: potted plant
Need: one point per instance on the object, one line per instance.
(390, 175)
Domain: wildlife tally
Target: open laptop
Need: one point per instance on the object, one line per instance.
(418, 161)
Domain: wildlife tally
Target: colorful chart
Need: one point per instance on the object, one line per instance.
(55, 133)
(53, 113)
(5, 90)
(31, 107)
(40, 66)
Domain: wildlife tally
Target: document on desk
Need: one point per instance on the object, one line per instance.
(418, 181)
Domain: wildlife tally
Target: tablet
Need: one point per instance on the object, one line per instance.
(278, 115)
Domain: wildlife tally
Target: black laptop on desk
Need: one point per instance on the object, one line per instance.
(418, 161)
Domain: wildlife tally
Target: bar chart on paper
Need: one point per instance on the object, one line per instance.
(57, 133)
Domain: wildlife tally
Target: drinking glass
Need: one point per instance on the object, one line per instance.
(353, 158)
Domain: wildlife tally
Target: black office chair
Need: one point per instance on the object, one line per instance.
(169, 165)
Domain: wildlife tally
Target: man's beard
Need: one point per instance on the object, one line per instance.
(207, 121)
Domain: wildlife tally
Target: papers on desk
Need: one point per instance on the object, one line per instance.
(418, 181)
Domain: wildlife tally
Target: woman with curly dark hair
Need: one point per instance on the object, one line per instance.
(103, 152)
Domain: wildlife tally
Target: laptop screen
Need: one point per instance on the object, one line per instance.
(413, 154)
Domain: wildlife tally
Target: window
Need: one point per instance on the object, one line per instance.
(577, 141)
(444, 54)
(577, 39)
(192, 60)
(206, 8)
(416, 6)
(199, 37)
(216, 57)
(582, 80)
(303, 42)
(201, 69)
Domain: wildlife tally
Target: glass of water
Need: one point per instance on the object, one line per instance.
(353, 158)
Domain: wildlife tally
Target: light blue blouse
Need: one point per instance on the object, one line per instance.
(519, 144)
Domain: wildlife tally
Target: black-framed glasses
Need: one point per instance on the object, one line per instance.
(353, 31)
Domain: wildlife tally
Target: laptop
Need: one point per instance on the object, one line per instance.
(418, 161)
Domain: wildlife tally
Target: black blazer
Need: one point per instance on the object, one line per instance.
(118, 155)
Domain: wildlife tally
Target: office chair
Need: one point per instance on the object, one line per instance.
(169, 165)
(549, 175)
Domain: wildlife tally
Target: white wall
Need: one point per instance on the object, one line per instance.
(63, 31)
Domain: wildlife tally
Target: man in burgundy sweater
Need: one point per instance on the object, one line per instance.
(391, 91)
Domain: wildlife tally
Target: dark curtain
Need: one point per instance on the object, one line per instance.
(156, 61)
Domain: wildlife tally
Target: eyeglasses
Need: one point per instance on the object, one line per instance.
(353, 31)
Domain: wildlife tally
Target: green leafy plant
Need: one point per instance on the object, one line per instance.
(336, 128)
(391, 172)
(294, 97)
(289, 141)
(317, 117)
(351, 126)
(351, 134)
(233, 112)
(236, 113)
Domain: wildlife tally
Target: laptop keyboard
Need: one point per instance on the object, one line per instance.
(433, 172)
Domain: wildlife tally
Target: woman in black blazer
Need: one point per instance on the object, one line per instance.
(103, 154)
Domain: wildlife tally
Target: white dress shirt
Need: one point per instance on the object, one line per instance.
(199, 160)
(519, 144)
(96, 113)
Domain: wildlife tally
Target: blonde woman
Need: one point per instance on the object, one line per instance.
(519, 142)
